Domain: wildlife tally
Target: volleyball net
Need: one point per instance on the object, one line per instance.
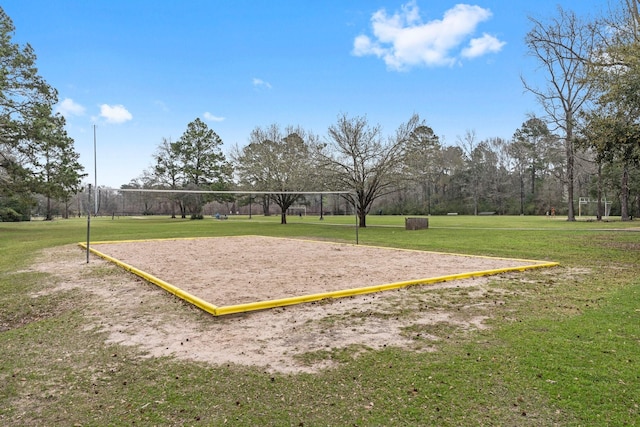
(211, 203)
(218, 204)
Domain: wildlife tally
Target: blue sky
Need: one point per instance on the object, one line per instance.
(142, 70)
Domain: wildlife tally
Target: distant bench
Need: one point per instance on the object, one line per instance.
(452, 213)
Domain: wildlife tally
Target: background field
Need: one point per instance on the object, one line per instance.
(561, 349)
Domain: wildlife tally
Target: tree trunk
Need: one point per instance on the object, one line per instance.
(475, 202)
(521, 193)
(533, 178)
(429, 197)
(359, 208)
(265, 206)
(624, 194)
(362, 218)
(283, 217)
(571, 215)
(48, 217)
(600, 211)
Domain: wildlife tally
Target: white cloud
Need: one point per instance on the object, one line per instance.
(115, 113)
(480, 46)
(402, 40)
(68, 107)
(210, 117)
(261, 83)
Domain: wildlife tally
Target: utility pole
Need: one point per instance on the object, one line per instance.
(95, 171)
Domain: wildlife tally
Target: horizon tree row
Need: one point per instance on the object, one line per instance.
(586, 145)
(410, 172)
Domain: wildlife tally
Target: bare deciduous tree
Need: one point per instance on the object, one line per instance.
(561, 46)
(273, 161)
(357, 158)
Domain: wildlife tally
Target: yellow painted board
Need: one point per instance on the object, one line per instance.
(261, 305)
(200, 303)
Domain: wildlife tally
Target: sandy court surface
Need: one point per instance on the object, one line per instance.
(130, 311)
(235, 270)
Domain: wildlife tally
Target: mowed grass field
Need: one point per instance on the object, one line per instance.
(563, 347)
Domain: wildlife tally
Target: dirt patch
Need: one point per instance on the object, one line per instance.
(234, 270)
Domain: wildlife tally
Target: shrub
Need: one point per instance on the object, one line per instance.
(9, 215)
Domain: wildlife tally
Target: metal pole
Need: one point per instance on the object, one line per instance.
(95, 170)
(88, 222)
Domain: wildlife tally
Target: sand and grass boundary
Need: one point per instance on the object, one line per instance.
(227, 275)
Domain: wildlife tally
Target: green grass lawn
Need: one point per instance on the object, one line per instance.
(562, 349)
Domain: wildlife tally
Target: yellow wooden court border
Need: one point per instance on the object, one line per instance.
(281, 302)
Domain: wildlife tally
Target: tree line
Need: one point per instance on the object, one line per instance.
(408, 172)
(37, 157)
(587, 144)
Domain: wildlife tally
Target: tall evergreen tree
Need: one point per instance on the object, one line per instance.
(194, 162)
(423, 161)
(36, 155)
(55, 166)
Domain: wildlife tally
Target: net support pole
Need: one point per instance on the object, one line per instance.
(88, 222)
(95, 169)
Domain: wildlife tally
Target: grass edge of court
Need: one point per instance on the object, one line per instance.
(281, 302)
